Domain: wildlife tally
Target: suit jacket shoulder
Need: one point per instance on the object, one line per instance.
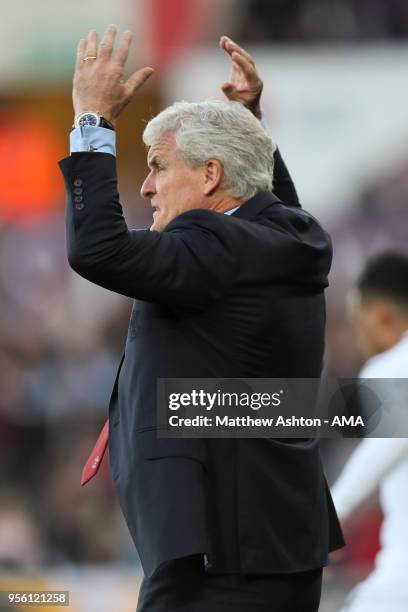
(195, 260)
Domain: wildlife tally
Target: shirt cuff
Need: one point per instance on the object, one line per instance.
(89, 138)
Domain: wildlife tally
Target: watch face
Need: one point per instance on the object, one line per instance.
(88, 119)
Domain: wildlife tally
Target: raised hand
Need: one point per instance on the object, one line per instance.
(99, 84)
(244, 84)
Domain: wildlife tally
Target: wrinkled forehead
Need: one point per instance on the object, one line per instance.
(164, 146)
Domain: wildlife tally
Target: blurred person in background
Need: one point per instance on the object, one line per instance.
(230, 283)
(380, 315)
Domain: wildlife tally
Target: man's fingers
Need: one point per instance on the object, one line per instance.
(227, 87)
(123, 48)
(137, 79)
(80, 53)
(230, 91)
(91, 44)
(233, 47)
(245, 65)
(107, 42)
(230, 46)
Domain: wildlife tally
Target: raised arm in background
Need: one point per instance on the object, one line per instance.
(245, 86)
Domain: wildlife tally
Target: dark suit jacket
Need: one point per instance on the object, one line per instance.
(218, 296)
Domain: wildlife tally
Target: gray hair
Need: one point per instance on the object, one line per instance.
(227, 131)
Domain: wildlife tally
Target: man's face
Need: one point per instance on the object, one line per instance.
(172, 186)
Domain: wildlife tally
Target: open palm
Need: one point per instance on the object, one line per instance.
(244, 84)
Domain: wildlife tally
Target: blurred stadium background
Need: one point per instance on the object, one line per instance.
(336, 93)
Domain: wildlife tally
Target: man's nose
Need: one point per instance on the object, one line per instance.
(148, 188)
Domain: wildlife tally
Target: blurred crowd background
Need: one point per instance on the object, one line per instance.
(336, 94)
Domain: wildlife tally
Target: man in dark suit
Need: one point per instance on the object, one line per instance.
(229, 282)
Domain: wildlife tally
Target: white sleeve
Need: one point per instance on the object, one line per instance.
(368, 465)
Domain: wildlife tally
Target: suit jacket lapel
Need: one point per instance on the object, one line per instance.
(255, 205)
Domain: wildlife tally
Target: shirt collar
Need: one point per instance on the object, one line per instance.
(230, 212)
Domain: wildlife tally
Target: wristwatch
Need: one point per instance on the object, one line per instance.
(92, 118)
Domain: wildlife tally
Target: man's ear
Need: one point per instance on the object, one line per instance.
(213, 175)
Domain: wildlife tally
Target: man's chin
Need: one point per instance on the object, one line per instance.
(157, 224)
(161, 220)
